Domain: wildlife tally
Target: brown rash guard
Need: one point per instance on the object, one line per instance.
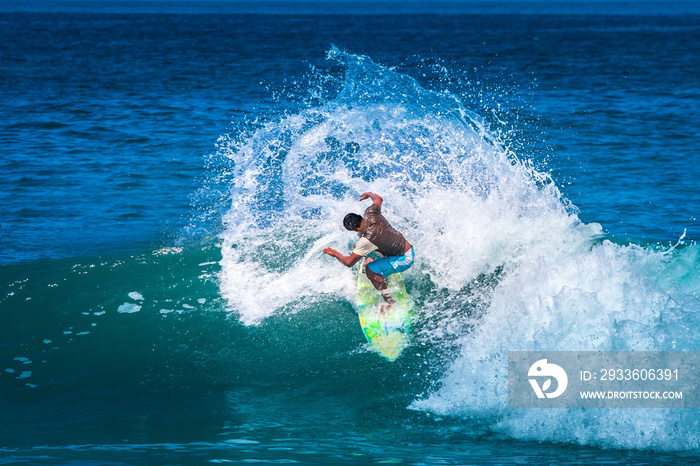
(381, 234)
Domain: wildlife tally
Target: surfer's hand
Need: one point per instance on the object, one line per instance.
(331, 252)
(376, 199)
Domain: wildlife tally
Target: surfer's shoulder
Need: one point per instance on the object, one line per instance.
(373, 209)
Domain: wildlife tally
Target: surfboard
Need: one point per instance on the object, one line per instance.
(386, 332)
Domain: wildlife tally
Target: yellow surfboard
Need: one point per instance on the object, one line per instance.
(386, 332)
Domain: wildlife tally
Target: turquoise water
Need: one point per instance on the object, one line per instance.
(171, 176)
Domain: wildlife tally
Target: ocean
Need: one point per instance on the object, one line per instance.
(171, 171)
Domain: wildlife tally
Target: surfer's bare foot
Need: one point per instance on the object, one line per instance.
(388, 302)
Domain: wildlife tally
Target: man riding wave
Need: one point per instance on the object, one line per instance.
(376, 235)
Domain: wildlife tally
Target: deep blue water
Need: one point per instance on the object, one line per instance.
(170, 172)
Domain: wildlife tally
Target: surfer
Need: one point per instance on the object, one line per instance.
(376, 235)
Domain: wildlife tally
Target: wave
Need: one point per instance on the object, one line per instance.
(503, 261)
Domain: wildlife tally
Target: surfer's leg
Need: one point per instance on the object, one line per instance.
(381, 286)
(378, 270)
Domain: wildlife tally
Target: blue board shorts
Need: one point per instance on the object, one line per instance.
(392, 264)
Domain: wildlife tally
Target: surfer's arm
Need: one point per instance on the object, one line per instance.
(347, 261)
(376, 199)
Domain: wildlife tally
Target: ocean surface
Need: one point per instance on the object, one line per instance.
(171, 171)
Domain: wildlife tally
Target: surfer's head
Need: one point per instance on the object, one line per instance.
(352, 222)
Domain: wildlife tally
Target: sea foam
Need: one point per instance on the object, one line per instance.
(503, 261)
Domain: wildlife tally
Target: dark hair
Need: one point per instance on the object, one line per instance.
(352, 222)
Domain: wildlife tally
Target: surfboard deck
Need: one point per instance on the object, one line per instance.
(386, 332)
